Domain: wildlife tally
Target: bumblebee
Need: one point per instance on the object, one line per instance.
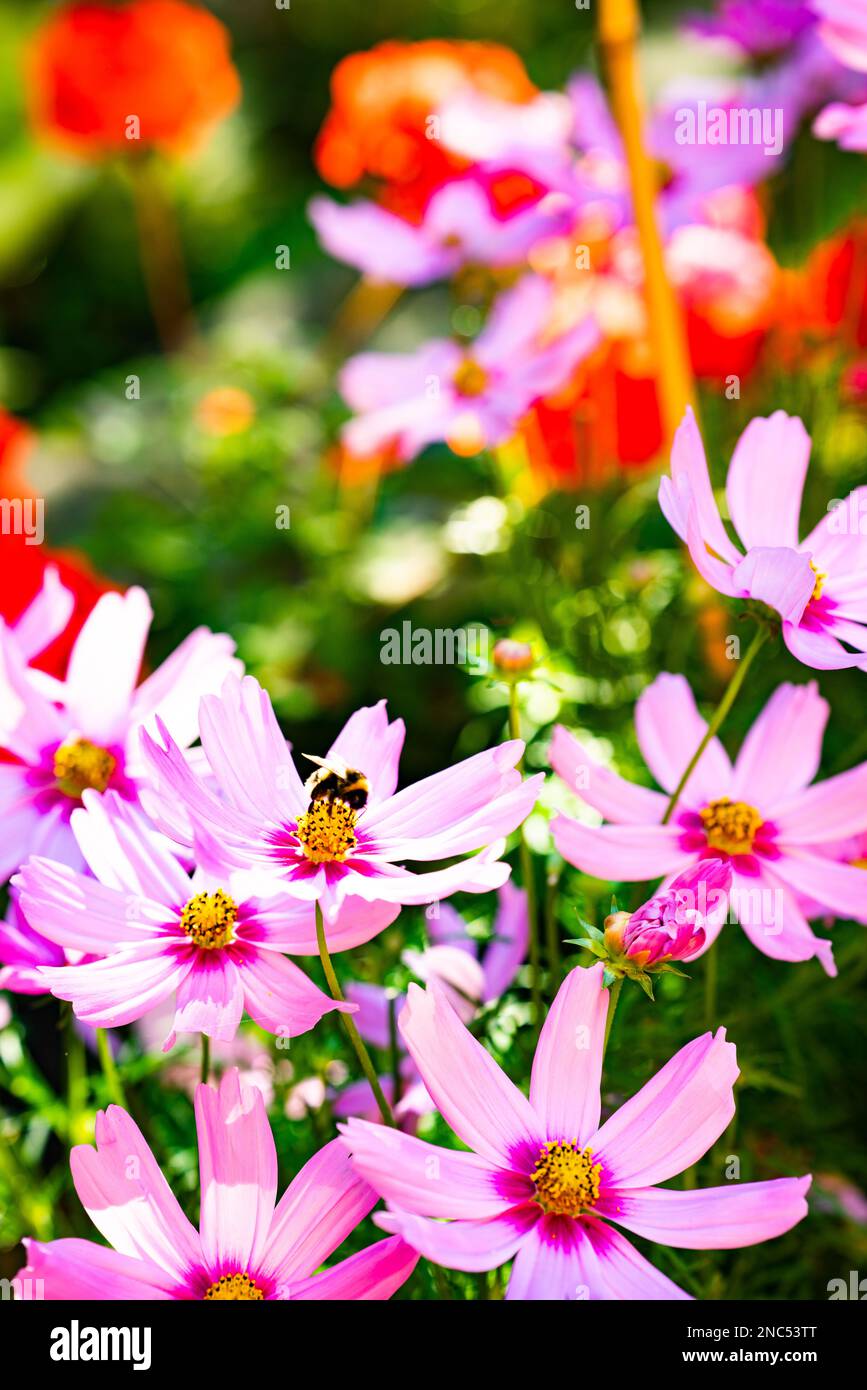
(334, 781)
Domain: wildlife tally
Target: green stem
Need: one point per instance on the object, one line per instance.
(109, 1070)
(206, 1058)
(614, 993)
(552, 938)
(352, 1032)
(161, 252)
(528, 881)
(719, 714)
(710, 979)
(394, 1050)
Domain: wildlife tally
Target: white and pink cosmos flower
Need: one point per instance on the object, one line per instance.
(83, 732)
(327, 851)
(249, 1247)
(468, 396)
(545, 1183)
(208, 941)
(761, 814)
(818, 586)
(459, 228)
(471, 978)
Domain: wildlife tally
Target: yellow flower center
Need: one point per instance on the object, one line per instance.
(81, 765)
(470, 379)
(234, 1288)
(731, 826)
(209, 921)
(821, 576)
(566, 1178)
(327, 831)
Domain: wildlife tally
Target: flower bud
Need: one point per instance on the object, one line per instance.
(671, 925)
(513, 658)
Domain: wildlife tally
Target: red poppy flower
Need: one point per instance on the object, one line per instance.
(110, 77)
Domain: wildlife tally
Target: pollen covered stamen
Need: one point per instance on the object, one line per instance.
(470, 378)
(234, 1288)
(81, 765)
(326, 832)
(566, 1178)
(731, 826)
(821, 576)
(209, 921)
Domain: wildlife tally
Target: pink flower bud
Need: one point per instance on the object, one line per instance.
(513, 657)
(671, 926)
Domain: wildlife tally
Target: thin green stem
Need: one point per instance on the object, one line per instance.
(393, 1048)
(719, 714)
(206, 1058)
(528, 881)
(552, 937)
(614, 999)
(710, 982)
(352, 1032)
(109, 1070)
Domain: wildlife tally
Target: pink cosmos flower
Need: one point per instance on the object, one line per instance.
(459, 228)
(545, 1180)
(818, 586)
(760, 814)
(326, 850)
(23, 952)
(844, 29)
(208, 940)
(469, 980)
(247, 1248)
(83, 732)
(470, 397)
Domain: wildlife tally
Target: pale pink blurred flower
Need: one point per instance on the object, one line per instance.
(470, 979)
(470, 397)
(459, 228)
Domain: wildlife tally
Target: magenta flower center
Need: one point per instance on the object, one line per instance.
(209, 921)
(470, 378)
(566, 1178)
(731, 826)
(234, 1288)
(81, 765)
(326, 832)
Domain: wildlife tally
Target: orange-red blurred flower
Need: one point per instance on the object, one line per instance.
(96, 69)
(828, 297)
(382, 104)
